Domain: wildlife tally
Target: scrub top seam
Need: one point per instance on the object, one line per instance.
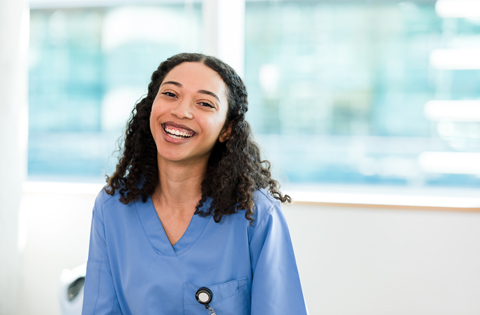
(108, 197)
(113, 303)
(102, 211)
(98, 289)
(265, 216)
(103, 201)
(268, 196)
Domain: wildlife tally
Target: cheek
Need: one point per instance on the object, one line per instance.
(216, 125)
(153, 120)
(157, 110)
(152, 126)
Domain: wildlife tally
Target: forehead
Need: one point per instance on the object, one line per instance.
(197, 76)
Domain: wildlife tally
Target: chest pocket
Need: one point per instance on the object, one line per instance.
(229, 298)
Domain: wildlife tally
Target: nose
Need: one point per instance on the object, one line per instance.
(183, 109)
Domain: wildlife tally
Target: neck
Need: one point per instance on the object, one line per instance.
(179, 189)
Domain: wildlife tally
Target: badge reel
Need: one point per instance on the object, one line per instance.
(204, 296)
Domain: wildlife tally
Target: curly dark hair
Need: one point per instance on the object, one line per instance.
(235, 169)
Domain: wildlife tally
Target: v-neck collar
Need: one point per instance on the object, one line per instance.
(158, 237)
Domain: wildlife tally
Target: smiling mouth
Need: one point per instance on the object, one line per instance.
(178, 133)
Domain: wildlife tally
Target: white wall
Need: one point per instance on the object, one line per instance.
(380, 261)
(351, 260)
(14, 21)
(57, 239)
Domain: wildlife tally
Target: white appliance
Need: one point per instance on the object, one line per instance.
(71, 285)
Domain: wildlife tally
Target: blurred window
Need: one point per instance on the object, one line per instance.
(349, 92)
(367, 92)
(88, 67)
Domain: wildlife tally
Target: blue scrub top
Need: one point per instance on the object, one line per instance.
(133, 269)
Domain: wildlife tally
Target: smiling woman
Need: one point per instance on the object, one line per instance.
(189, 114)
(191, 218)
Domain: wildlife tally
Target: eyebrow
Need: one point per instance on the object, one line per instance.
(172, 82)
(209, 93)
(199, 91)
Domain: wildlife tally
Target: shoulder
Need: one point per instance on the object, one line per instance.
(269, 220)
(266, 213)
(103, 197)
(265, 205)
(105, 202)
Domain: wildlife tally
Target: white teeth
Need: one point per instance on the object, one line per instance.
(176, 137)
(175, 132)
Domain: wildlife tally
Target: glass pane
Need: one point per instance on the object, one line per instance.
(344, 92)
(88, 67)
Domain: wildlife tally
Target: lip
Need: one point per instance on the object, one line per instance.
(174, 124)
(172, 140)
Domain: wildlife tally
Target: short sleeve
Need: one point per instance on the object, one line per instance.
(99, 293)
(276, 287)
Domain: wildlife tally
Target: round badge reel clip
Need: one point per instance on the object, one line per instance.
(204, 296)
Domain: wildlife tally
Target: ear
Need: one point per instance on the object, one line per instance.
(226, 132)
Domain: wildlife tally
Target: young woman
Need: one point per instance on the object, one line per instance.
(190, 222)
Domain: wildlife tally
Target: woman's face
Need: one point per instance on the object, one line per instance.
(188, 113)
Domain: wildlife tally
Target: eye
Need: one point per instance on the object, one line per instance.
(206, 104)
(169, 94)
